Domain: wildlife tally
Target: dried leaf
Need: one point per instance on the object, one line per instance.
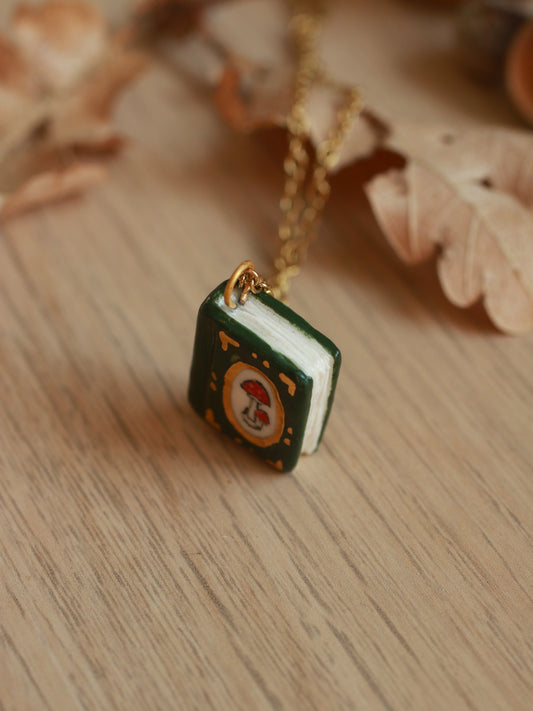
(46, 187)
(252, 73)
(58, 41)
(471, 194)
(61, 71)
(254, 97)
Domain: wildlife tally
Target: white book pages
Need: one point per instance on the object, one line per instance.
(305, 352)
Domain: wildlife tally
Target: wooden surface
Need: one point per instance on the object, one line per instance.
(148, 563)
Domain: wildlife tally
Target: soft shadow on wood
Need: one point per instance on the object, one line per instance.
(130, 425)
(358, 250)
(169, 435)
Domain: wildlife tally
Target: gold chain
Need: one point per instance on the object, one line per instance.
(307, 185)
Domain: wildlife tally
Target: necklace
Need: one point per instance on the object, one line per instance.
(260, 373)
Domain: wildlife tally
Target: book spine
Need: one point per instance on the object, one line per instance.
(204, 344)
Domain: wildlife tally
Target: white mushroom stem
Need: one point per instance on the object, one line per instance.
(252, 408)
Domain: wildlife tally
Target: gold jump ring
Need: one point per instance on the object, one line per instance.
(233, 280)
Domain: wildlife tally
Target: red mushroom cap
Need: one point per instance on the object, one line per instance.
(261, 414)
(256, 390)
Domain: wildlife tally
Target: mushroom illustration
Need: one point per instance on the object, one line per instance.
(253, 415)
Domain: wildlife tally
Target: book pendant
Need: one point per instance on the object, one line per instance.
(263, 376)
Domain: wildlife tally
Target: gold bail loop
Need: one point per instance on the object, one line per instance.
(246, 278)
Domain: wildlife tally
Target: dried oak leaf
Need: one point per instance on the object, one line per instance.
(470, 194)
(61, 71)
(253, 97)
(251, 72)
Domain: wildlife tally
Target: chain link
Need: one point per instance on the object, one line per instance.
(307, 186)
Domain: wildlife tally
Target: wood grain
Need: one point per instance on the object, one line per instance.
(148, 563)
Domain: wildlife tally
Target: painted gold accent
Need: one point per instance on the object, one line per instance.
(225, 340)
(213, 386)
(289, 430)
(254, 355)
(213, 375)
(291, 385)
(286, 441)
(266, 364)
(229, 377)
(210, 418)
(277, 465)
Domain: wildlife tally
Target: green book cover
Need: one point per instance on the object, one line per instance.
(263, 376)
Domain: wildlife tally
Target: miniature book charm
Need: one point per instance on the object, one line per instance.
(263, 376)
